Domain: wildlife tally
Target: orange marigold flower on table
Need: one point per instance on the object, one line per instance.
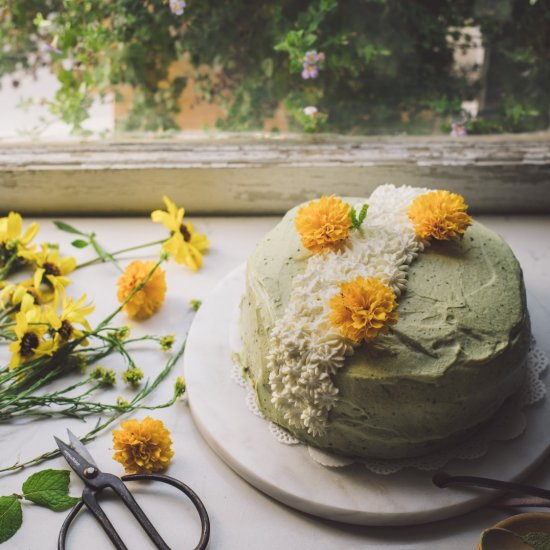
(363, 308)
(142, 447)
(324, 224)
(439, 214)
(148, 300)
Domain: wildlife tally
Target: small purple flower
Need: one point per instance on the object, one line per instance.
(310, 71)
(311, 57)
(310, 64)
(177, 6)
(458, 129)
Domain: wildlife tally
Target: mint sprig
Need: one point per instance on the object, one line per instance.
(358, 219)
(48, 488)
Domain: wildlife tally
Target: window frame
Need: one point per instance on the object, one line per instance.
(228, 174)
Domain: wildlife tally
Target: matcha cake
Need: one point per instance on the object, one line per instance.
(386, 331)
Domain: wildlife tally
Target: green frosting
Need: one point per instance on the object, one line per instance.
(454, 356)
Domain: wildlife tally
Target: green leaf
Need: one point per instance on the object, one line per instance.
(539, 541)
(68, 228)
(356, 221)
(79, 243)
(50, 488)
(363, 213)
(11, 517)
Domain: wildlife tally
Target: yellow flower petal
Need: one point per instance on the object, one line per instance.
(184, 245)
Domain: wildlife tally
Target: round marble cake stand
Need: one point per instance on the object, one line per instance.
(286, 472)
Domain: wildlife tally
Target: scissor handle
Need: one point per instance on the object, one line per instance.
(88, 499)
(193, 497)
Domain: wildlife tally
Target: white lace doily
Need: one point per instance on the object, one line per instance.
(508, 424)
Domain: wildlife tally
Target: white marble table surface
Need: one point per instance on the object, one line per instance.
(241, 516)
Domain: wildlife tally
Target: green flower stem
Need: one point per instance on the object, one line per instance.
(103, 325)
(119, 347)
(102, 253)
(134, 404)
(100, 259)
(8, 266)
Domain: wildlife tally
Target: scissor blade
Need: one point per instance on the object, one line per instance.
(80, 448)
(77, 462)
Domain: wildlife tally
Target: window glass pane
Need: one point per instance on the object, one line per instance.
(353, 68)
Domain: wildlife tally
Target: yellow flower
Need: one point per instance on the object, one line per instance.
(184, 245)
(147, 300)
(12, 295)
(72, 314)
(11, 228)
(324, 224)
(439, 214)
(30, 328)
(51, 269)
(142, 447)
(363, 308)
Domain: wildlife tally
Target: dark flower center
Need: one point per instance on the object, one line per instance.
(29, 343)
(51, 269)
(65, 330)
(185, 232)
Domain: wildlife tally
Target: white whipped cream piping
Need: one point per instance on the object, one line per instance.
(304, 349)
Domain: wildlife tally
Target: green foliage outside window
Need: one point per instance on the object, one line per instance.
(382, 66)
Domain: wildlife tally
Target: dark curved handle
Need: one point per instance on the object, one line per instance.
(66, 523)
(193, 497)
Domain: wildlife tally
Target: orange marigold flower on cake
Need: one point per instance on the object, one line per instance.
(148, 300)
(439, 214)
(363, 308)
(324, 223)
(142, 447)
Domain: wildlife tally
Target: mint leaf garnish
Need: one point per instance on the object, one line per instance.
(50, 488)
(358, 219)
(538, 540)
(11, 517)
(363, 213)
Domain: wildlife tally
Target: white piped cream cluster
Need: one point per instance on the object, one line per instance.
(305, 350)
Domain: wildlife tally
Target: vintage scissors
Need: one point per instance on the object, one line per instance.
(83, 464)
